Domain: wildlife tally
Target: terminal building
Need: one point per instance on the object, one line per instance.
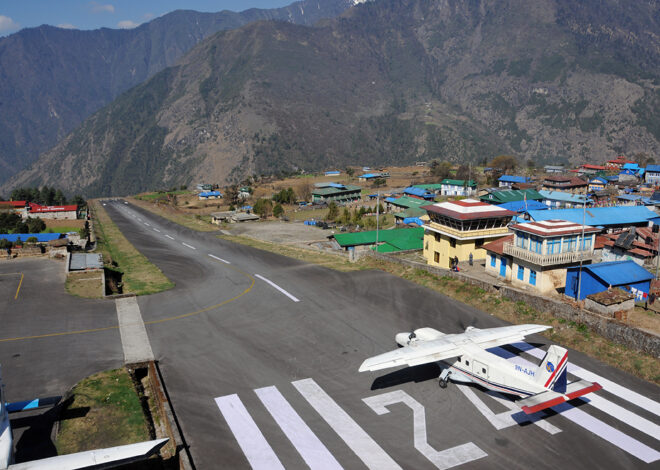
(335, 192)
(460, 229)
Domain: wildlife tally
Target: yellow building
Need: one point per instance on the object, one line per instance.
(460, 228)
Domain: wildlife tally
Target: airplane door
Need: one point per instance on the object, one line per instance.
(480, 369)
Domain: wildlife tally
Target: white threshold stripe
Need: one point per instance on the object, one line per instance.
(259, 453)
(612, 387)
(171, 238)
(189, 246)
(156, 230)
(373, 456)
(594, 425)
(295, 299)
(148, 225)
(311, 449)
(219, 259)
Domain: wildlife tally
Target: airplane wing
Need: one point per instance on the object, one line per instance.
(100, 458)
(423, 352)
(550, 398)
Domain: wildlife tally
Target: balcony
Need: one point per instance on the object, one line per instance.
(547, 260)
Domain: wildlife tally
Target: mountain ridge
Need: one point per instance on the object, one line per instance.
(385, 83)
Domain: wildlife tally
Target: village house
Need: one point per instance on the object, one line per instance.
(618, 163)
(335, 192)
(597, 184)
(569, 184)
(537, 255)
(563, 200)
(510, 195)
(452, 187)
(652, 174)
(506, 181)
(460, 229)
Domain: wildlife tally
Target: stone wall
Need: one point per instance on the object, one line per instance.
(607, 327)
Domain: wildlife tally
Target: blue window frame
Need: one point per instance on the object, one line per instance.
(570, 243)
(493, 260)
(521, 273)
(586, 242)
(532, 277)
(535, 244)
(554, 245)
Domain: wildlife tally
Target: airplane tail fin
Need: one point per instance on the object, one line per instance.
(552, 371)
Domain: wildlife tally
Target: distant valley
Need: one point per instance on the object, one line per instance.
(387, 82)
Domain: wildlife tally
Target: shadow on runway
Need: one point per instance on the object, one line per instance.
(35, 441)
(415, 374)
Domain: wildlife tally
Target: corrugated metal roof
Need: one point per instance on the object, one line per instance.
(417, 192)
(599, 216)
(523, 206)
(82, 261)
(405, 201)
(429, 187)
(617, 273)
(452, 182)
(653, 168)
(41, 237)
(508, 195)
(514, 179)
(403, 238)
(563, 196)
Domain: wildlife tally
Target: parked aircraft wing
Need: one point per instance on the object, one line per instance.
(96, 459)
(491, 337)
(419, 352)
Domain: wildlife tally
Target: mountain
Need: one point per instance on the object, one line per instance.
(51, 79)
(388, 82)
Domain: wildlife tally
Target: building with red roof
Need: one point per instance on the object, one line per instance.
(538, 254)
(618, 162)
(458, 229)
(67, 212)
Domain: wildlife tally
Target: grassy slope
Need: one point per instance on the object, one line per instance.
(141, 277)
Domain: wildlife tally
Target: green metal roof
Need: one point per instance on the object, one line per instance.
(510, 195)
(397, 239)
(326, 191)
(470, 183)
(429, 187)
(410, 212)
(409, 202)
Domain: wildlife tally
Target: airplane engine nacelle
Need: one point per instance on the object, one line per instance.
(405, 338)
(427, 334)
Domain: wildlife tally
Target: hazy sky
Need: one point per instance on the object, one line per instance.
(85, 14)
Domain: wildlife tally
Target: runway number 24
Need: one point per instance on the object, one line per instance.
(445, 459)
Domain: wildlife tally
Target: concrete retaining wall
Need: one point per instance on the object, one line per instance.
(607, 327)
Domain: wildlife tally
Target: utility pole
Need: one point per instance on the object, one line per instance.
(584, 215)
(657, 256)
(377, 214)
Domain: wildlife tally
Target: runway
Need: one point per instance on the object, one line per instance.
(260, 356)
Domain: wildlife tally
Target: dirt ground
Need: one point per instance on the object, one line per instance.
(645, 319)
(85, 284)
(78, 223)
(285, 233)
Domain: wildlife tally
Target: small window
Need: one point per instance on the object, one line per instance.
(483, 371)
(521, 273)
(478, 243)
(467, 363)
(493, 260)
(436, 257)
(452, 242)
(459, 359)
(532, 277)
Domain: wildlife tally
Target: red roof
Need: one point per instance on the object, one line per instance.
(620, 160)
(589, 166)
(36, 208)
(554, 227)
(498, 245)
(468, 209)
(13, 203)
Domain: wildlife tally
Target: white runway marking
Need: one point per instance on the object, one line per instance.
(295, 299)
(148, 225)
(594, 425)
(171, 238)
(189, 246)
(311, 449)
(253, 443)
(443, 460)
(614, 388)
(156, 230)
(219, 259)
(373, 456)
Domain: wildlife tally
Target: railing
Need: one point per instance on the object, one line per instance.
(488, 232)
(547, 260)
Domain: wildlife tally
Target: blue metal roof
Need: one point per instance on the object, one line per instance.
(331, 172)
(599, 216)
(631, 166)
(616, 273)
(210, 194)
(369, 175)
(520, 206)
(418, 192)
(41, 237)
(563, 196)
(629, 197)
(513, 179)
(653, 168)
(599, 180)
(390, 199)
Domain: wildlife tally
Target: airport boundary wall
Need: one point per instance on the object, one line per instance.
(607, 327)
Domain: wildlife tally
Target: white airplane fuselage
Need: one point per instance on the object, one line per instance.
(492, 372)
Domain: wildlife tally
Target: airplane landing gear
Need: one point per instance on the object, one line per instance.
(444, 378)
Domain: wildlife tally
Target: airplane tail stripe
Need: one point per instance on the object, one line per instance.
(557, 369)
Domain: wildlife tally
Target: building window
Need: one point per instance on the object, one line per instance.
(478, 243)
(521, 273)
(452, 242)
(554, 245)
(535, 244)
(437, 236)
(493, 260)
(532, 277)
(436, 257)
(586, 243)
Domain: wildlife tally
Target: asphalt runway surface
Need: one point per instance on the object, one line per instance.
(262, 370)
(260, 355)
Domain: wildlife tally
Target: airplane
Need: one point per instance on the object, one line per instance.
(463, 358)
(99, 458)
